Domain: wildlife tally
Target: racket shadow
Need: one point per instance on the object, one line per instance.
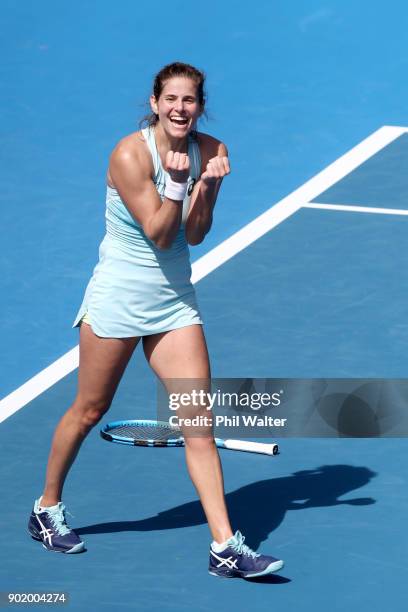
(259, 508)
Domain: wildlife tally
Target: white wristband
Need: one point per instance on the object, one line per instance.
(175, 191)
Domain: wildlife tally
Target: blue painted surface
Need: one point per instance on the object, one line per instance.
(333, 509)
(291, 87)
(137, 509)
(381, 182)
(319, 296)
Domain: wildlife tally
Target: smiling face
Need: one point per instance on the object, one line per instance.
(178, 106)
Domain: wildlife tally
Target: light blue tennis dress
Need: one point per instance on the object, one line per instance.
(137, 289)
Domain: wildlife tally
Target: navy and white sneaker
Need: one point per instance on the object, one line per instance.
(48, 525)
(237, 560)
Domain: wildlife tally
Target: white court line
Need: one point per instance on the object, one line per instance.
(362, 209)
(223, 252)
(39, 383)
(298, 198)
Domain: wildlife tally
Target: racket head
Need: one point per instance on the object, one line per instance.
(142, 432)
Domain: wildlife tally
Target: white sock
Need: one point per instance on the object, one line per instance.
(42, 508)
(220, 547)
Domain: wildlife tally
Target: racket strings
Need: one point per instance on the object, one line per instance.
(145, 432)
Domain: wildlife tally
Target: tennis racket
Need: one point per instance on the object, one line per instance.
(159, 434)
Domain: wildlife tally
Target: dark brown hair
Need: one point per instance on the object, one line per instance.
(176, 69)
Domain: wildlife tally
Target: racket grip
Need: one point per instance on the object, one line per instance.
(252, 447)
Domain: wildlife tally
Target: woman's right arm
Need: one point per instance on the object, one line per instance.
(131, 171)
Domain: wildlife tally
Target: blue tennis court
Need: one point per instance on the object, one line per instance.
(302, 276)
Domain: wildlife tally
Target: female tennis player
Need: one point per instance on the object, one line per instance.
(162, 185)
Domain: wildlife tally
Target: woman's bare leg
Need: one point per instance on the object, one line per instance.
(102, 362)
(182, 353)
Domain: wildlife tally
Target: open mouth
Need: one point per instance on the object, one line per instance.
(179, 121)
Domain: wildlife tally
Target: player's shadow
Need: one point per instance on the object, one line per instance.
(258, 509)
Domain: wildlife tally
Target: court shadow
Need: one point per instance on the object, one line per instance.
(271, 579)
(258, 509)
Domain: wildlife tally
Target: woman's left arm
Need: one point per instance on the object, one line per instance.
(204, 196)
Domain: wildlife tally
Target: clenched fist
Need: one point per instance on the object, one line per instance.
(178, 166)
(216, 169)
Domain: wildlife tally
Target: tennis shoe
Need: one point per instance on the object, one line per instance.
(237, 560)
(49, 526)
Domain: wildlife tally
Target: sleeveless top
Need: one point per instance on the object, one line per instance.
(136, 288)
